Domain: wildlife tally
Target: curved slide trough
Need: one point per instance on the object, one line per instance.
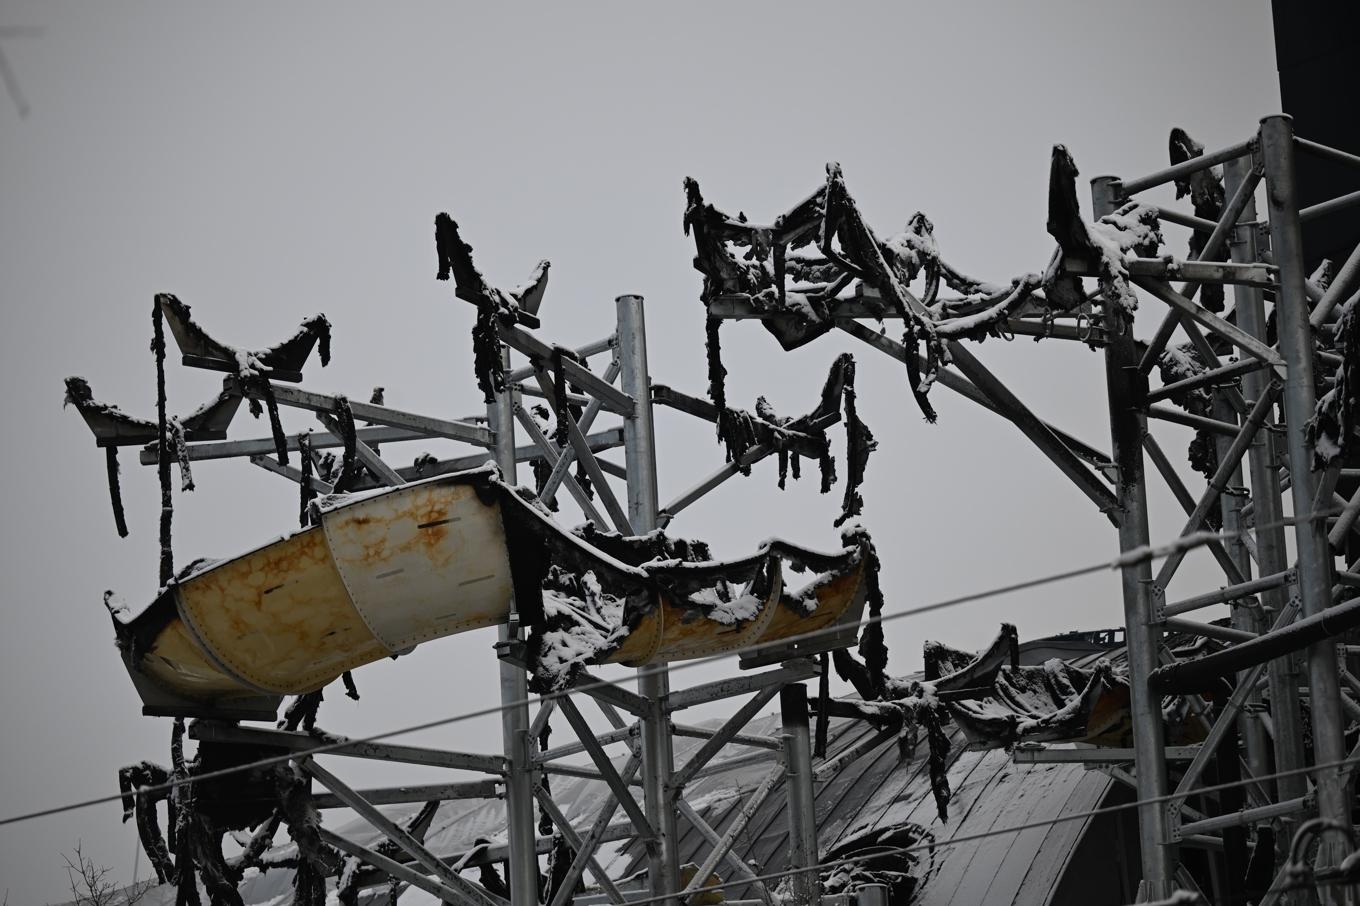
(385, 571)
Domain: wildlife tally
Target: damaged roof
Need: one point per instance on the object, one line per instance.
(881, 791)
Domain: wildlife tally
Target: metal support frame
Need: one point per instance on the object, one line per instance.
(398, 870)
(545, 801)
(517, 744)
(1271, 552)
(425, 792)
(467, 893)
(722, 736)
(595, 835)
(979, 385)
(1310, 535)
(739, 868)
(1141, 634)
(381, 415)
(1258, 453)
(292, 741)
(734, 830)
(653, 683)
(1242, 426)
(793, 709)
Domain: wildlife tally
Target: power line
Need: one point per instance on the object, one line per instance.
(1183, 543)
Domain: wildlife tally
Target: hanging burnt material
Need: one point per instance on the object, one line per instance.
(186, 475)
(541, 469)
(560, 858)
(301, 712)
(306, 493)
(1336, 418)
(545, 824)
(133, 780)
(937, 761)
(1179, 363)
(275, 424)
(910, 705)
(197, 842)
(859, 443)
(1205, 188)
(739, 431)
(113, 428)
(583, 480)
(115, 490)
(821, 255)
(870, 677)
(377, 398)
(1064, 291)
(487, 875)
(561, 413)
(349, 463)
(254, 370)
(495, 307)
(253, 853)
(565, 410)
(167, 562)
(823, 706)
(793, 439)
(723, 275)
(316, 859)
(1102, 245)
(872, 646)
(78, 394)
(860, 253)
(717, 373)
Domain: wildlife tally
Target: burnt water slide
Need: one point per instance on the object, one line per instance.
(386, 571)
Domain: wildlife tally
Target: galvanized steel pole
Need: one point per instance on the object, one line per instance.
(1310, 536)
(519, 778)
(797, 741)
(1272, 554)
(1141, 634)
(639, 447)
(1230, 510)
(1254, 738)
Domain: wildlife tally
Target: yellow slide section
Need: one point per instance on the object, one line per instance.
(388, 570)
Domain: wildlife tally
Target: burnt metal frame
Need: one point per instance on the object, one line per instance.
(1246, 429)
(517, 773)
(1114, 482)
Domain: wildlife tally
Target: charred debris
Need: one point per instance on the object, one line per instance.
(582, 595)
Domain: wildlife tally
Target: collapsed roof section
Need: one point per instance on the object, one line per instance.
(385, 571)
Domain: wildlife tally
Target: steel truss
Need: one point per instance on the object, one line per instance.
(643, 722)
(1261, 405)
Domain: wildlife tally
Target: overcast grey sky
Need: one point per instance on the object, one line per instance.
(264, 167)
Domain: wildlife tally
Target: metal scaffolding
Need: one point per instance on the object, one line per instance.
(1262, 407)
(1288, 598)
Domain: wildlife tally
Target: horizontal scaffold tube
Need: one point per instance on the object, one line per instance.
(1191, 676)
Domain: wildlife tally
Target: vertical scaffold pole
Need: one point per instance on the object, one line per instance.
(1263, 462)
(639, 447)
(1141, 634)
(1310, 535)
(519, 778)
(797, 741)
